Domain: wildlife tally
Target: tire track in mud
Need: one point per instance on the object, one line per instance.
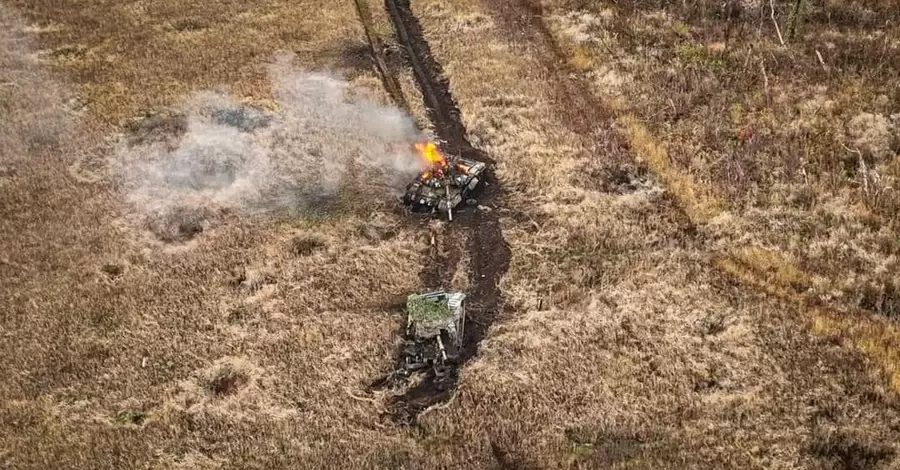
(440, 106)
(376, 50)
(479, 231)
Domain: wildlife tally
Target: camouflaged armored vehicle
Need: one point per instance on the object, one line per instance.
(434, 332)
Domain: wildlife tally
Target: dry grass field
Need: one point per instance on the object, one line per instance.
(781, 140)
(702, 228)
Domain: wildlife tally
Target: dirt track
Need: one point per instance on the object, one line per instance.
(581, 110)
(376, 49)
(475, 230)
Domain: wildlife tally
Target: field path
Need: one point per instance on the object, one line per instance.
(477, 231)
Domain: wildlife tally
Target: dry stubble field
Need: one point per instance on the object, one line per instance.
(677, 296)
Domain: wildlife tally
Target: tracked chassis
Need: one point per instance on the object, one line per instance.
(433, 192)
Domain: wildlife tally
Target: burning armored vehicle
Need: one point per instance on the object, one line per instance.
(434, 332)
(446, 182)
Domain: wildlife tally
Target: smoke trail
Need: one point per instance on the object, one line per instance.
(320, 144)
(34, 119)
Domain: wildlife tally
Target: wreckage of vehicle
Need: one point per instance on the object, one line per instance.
(434, 333)
(445, 184)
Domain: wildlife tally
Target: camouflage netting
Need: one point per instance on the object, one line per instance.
(423, 310)
(430, 316)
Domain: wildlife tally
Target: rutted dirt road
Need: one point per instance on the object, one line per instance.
(476, 231)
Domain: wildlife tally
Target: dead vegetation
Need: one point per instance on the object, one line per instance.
(806, 158)
(660, 291)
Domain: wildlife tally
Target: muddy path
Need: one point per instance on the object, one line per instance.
(476, 232)
(439, 255)
(376, 51)
(440, 106)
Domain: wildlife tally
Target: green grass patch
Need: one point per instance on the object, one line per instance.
(695, 54)
(425, 310)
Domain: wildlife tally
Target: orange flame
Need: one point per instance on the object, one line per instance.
(431, 154)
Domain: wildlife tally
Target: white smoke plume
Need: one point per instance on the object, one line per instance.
(320, 143)
(34, 118)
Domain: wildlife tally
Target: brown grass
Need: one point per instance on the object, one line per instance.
(878, 339)
(550, 271)
(625, 342)
(700, 204)
(128, 355)
(773, 273)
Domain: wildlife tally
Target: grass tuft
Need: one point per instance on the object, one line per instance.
(131, 417)
(226, 381)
